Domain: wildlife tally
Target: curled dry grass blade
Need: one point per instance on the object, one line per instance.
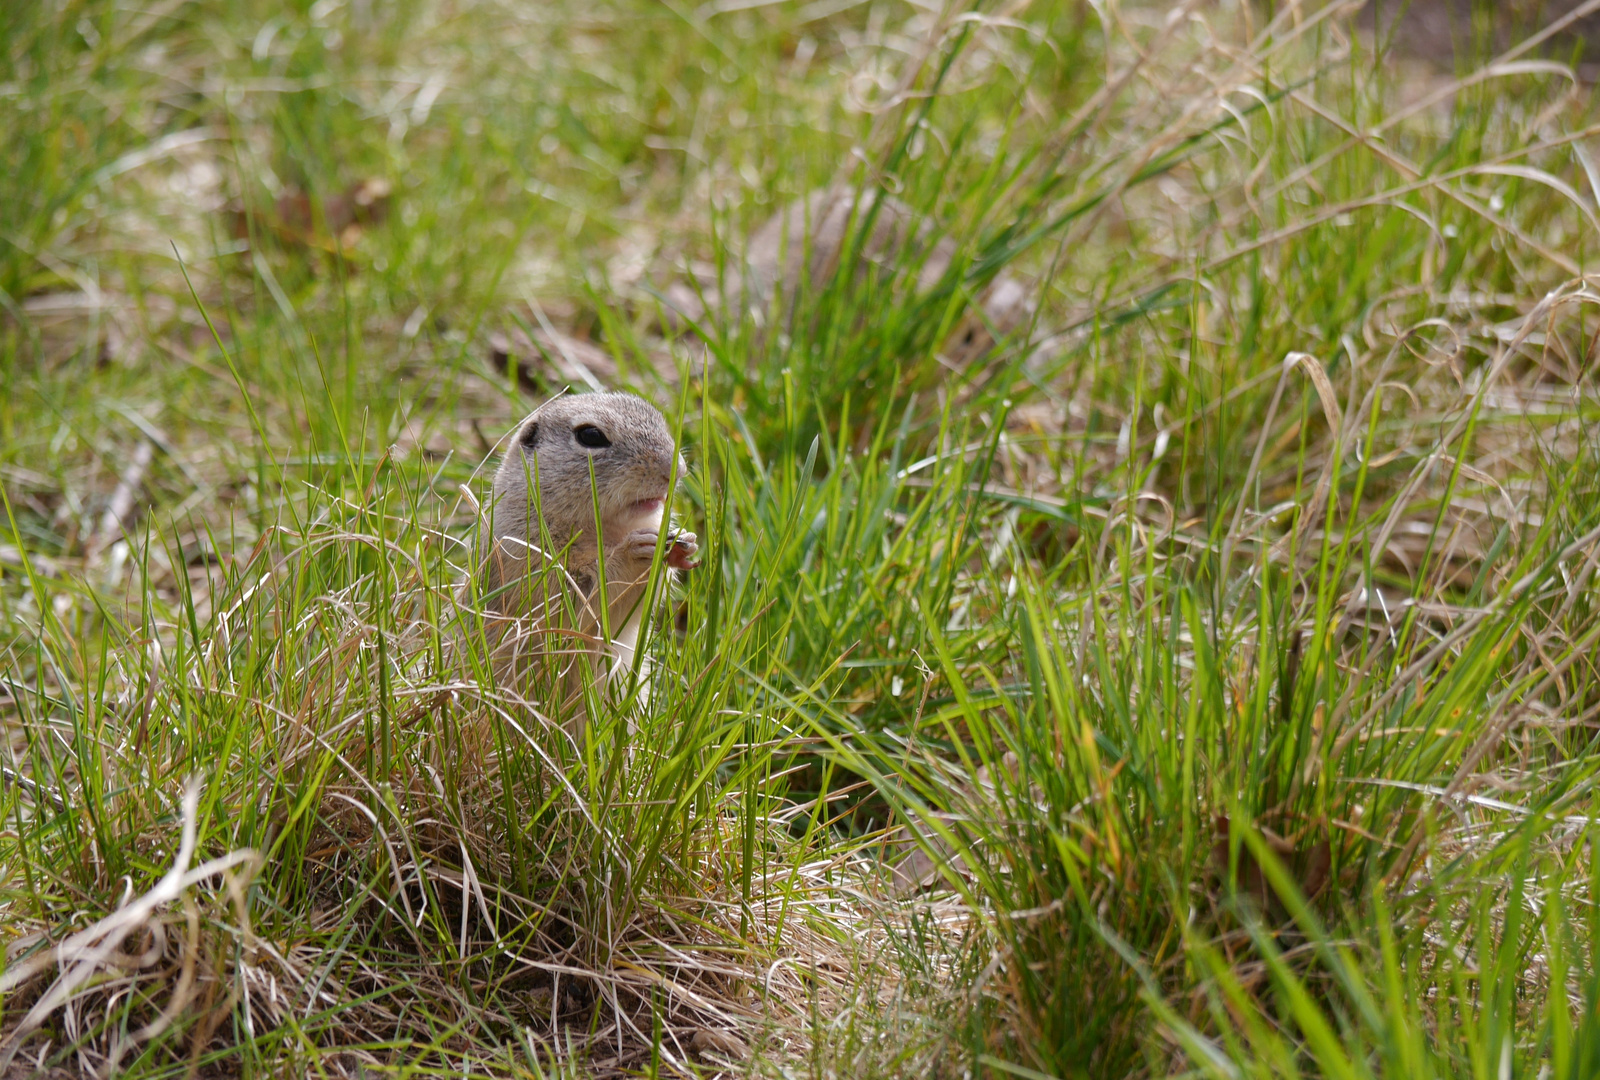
(1241, 705)
(1101, 795)
(442, 865)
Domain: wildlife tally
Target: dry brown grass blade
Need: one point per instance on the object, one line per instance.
(119, 516)
(86, 953)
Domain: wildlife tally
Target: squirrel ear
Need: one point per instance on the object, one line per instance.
(530, 434)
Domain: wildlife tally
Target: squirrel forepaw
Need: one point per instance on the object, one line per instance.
(640, 546)
(682, 547)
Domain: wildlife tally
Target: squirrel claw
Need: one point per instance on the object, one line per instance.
(681, 550)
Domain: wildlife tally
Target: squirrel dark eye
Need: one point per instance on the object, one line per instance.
(590, 436)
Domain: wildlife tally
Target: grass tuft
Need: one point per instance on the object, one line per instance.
(1143, 458)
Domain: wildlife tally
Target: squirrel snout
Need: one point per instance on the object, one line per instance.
(666, 466)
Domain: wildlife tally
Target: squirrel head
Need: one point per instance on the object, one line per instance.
(582, 452)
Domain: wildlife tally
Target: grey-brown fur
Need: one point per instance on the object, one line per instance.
(541, 553)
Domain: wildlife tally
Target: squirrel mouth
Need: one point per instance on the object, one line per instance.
(647, 506)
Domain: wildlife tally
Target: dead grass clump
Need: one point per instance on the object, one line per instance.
(404, 865)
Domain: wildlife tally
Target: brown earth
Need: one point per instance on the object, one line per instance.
(1453, 33)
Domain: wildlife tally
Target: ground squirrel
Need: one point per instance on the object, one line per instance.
(579, 461)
